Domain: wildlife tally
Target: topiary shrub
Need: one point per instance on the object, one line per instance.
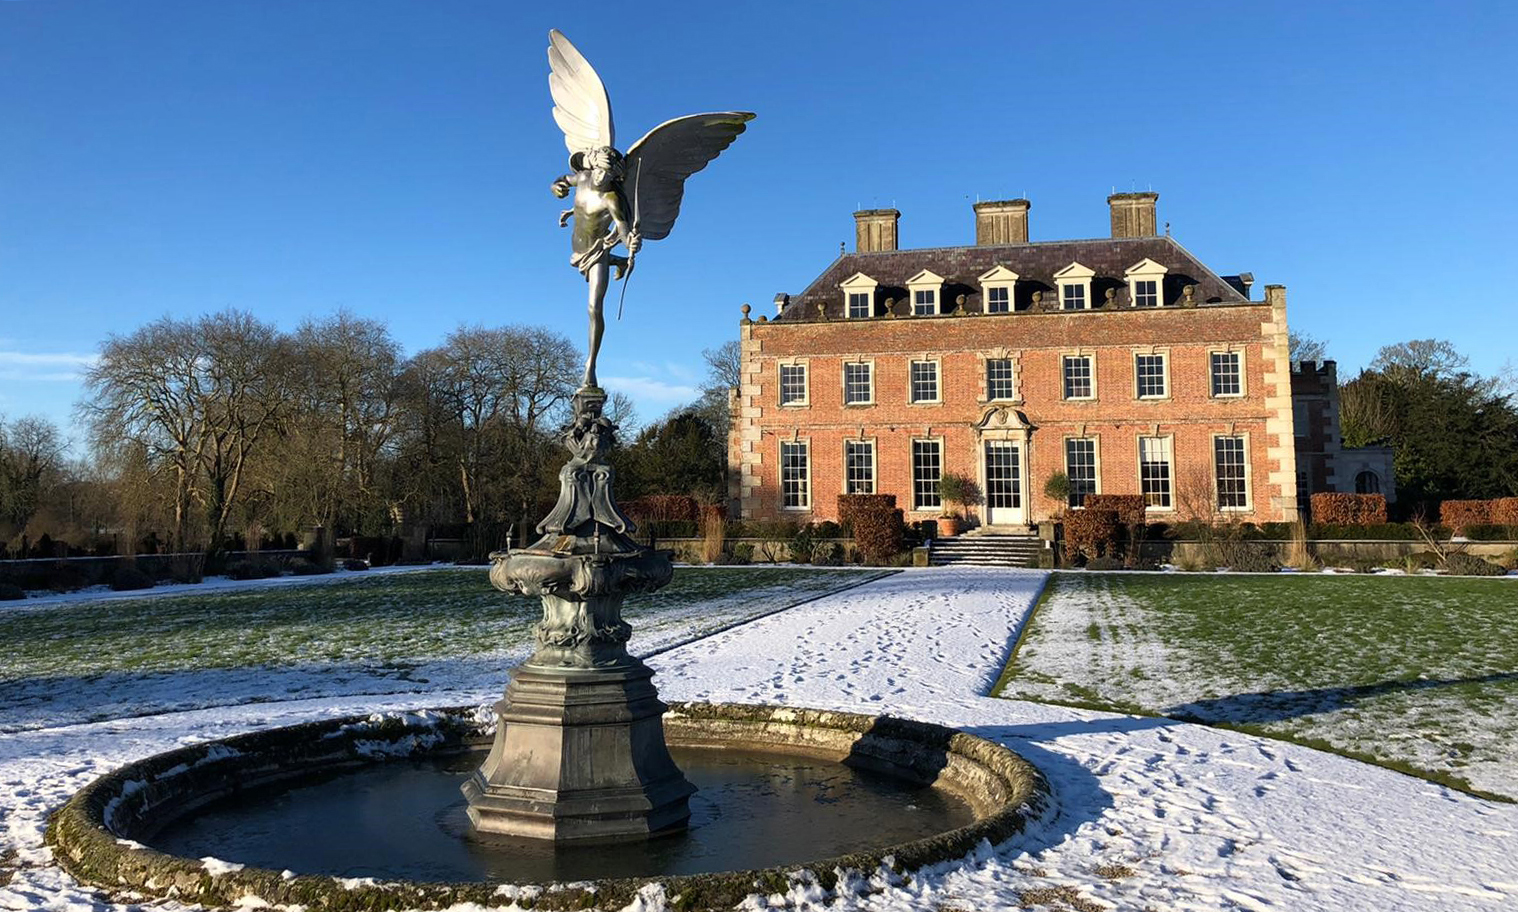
(251, 570)
(827, 554)
(1253, 559)
(1471, 565)
(303, 567)
(130, 579)
(1462, 514)
(1057, 488)
(1092, 533)
(1128, 507)
(1348, 509)
(10, 592)
(64, 578)
(877, 523)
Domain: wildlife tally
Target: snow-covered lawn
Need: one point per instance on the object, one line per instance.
(1415, 671)
(75, 660)
(1150, 813)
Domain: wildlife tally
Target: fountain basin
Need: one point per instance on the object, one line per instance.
(98, 835)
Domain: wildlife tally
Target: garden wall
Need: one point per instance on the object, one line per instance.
(77, 572)
(1327, 550)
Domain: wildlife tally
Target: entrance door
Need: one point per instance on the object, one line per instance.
(1004, 483)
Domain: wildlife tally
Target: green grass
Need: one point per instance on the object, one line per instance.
(385, 619)
(1416, 673)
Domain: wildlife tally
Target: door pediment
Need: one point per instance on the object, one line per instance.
(1003, 418)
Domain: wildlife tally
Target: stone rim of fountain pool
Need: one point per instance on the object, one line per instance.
(92, 835)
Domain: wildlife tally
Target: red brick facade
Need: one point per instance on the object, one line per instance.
(1024, 435)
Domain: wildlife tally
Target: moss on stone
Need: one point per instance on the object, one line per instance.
(146, 792)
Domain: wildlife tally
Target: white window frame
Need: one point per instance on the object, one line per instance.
(1096, 465)
(998, 277)
(1011, 379)
(843, 378)
(806, 384)
(1091, 360)
(858, 283)
(1146, 270)
(937, 382)
(806, 481)
(1075, 276)
(912, 468)
(926, 284)
(1164, 355)
(1170, 462)
(874, 463)
(1212, 390)
(1248, 475)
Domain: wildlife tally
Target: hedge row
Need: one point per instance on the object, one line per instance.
(1463, 514)
(662, 508)
(1348, 509)
(1128, 507)
(878, 525)
(1092, 532)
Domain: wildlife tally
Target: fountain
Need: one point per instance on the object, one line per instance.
(580, 783)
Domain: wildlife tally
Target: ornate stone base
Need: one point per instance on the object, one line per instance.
(579, 755)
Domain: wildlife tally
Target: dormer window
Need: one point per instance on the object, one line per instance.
(1145, 280)
(996, 288)
(1074, 283)
(858, 296)
(925, 288)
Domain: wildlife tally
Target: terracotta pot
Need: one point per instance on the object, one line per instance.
(948, 526)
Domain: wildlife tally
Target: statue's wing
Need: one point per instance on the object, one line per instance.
(580, 105)
(658, 164)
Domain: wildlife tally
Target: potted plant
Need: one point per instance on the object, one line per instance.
(955, 489)
(1057, 489)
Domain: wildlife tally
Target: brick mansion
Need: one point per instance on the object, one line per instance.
(1123, 362)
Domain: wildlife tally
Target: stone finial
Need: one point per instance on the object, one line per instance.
(1111, 297)
(1038, 297)
(959, 302)
(1188, 296)
(763, 318)
(822, 310)
(745, 309)
(890, 308)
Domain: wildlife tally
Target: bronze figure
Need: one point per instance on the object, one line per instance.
(621, 199)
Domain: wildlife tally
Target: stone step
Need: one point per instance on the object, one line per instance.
(985, 550)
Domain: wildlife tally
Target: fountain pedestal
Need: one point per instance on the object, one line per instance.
(579, 751)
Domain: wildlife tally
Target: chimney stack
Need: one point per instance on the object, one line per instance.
(1001, 222)
(1133, 214)
(875, 230)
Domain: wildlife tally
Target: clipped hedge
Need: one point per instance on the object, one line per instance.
(1128, 507)
(662, 508)
(1505, 511)
(1348, 509)
(1459, 514)
(877, 523)
(1092, 532)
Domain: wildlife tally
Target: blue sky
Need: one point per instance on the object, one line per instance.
(291, 157)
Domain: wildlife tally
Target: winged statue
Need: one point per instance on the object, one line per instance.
(621, 200)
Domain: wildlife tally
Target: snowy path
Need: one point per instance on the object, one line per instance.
(1204, 819)
(1153, 814)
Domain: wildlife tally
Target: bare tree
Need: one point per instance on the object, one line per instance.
(199, 397)
(31, 456)
(347, 412)
(1304, 347)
